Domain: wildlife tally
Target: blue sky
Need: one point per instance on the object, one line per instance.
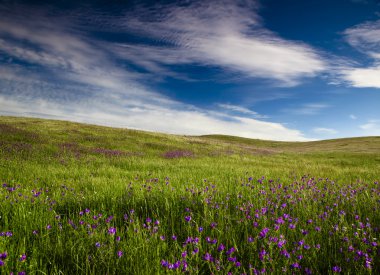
(280, 70)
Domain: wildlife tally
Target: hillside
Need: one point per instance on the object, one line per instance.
(67, 149)
(85, 199)
(348, 145)
(33, 131)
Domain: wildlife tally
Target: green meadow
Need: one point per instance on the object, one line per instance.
(85, 199)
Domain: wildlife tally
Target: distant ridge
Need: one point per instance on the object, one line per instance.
(58, 129)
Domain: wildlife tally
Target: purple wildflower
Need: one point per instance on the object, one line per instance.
(295, 265)
(221, 247)
(164, 263)
(112, 230)
(308, 271)
(208, 257)
(263, 233)
(232, 259)
(109, 219)
(368, 263)
(22, 258)
(262, 254)
(301, 242)
(337, 269)
(231, 250)
(281, 243)
(177, 264)
(285, 253)
(188, 218)
(213, 225)
(119, 254)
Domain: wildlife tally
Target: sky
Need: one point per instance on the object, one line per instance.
(289, 70)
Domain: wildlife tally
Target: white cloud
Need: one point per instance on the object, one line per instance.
(372, 127)
(362, 77)
(324, 131)
(162, 119)
(226, 35)
(239, 109)
(353, 117)
(72, 76)
(365, 38)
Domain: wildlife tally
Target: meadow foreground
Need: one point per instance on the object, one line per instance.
(81, 199)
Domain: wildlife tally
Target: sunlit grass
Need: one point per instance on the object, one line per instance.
(156, 194)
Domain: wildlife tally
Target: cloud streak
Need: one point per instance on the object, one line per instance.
(225, 35)
(324, 131)
(240, 109)
(372, 127)
(191, 122)
(68, 74)
(307, 109)
(366, 39)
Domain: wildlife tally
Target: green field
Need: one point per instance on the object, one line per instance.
(159, 203)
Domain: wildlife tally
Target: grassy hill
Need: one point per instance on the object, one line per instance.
(348, 145)
(85, 199)
(56, 149)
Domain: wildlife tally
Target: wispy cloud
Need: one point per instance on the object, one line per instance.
(353, 117)
(372, 127)
(223, 34)
(366, 39)
(163, 119)
(69, 74)
(307, 109)
(239, 109)
(324, 131)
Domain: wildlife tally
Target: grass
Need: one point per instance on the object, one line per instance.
(52, 171)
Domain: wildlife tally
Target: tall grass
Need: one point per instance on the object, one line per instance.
(81, 199)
